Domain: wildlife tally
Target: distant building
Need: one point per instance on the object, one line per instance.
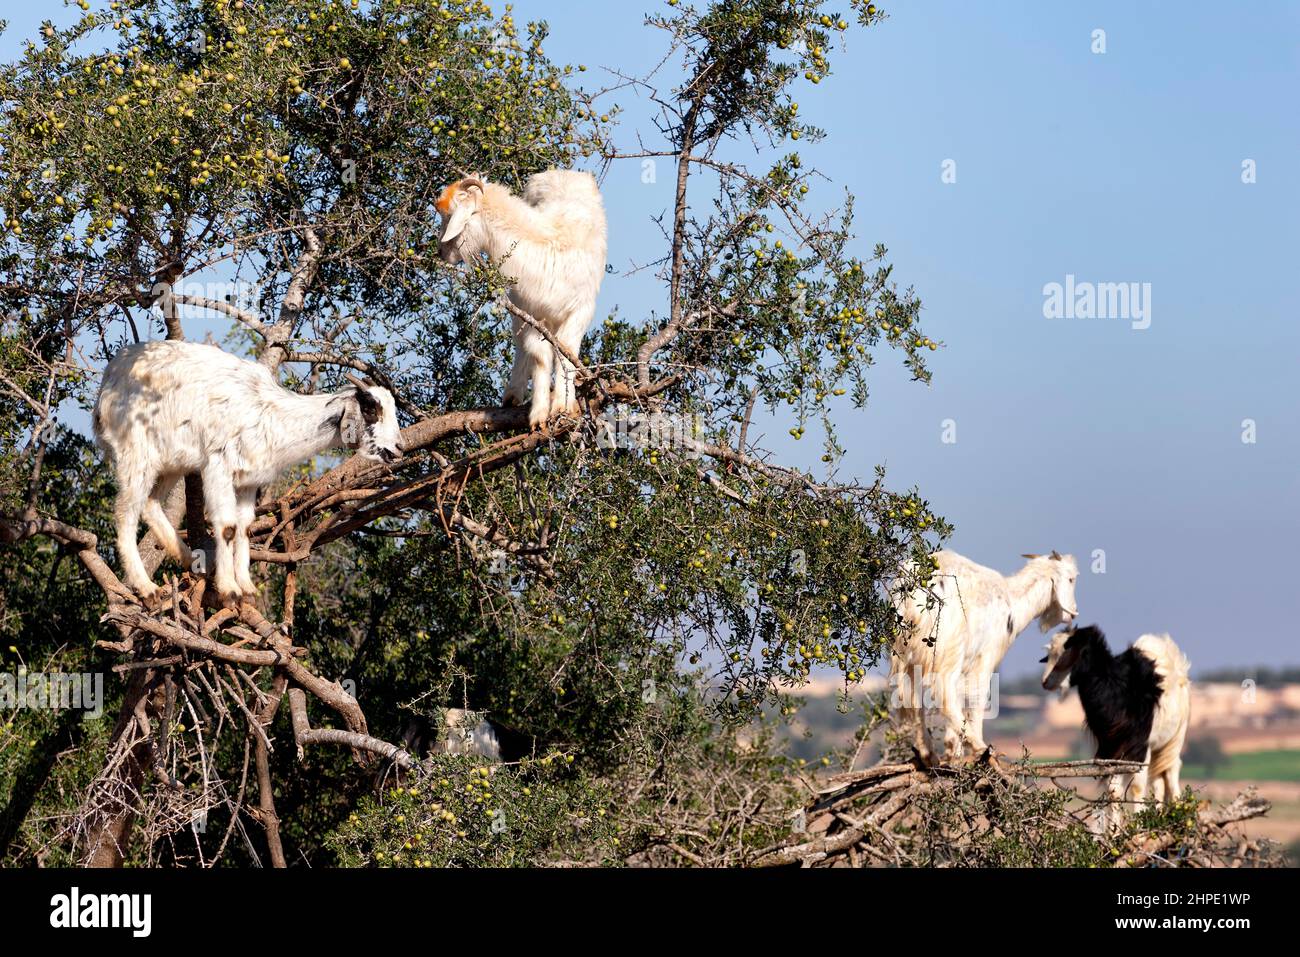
(1213, 706)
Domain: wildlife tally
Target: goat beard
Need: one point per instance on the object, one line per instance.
(1053, 616)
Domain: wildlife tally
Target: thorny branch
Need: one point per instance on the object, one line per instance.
(903, 814)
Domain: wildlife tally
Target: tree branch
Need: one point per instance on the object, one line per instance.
(304, 273)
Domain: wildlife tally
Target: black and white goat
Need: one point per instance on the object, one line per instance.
(168, 409)
(1136, 705)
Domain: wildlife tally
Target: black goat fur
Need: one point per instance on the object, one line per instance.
(1119, 694)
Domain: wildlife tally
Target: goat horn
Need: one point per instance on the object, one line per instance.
(359, 383)
(465, 180)
(1056, 554)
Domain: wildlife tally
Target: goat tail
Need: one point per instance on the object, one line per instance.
(1175, 673)
(1171, 664)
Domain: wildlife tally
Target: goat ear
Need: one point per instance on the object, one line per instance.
(462, 209)
(1030, 555)
(371, 409)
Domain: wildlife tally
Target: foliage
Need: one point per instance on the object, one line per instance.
(271, 167)
(981, 815)
(459, 813)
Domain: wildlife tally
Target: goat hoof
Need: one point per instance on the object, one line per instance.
(923, 759)
(145, 591)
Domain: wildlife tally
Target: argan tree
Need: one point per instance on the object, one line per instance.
(627, 592)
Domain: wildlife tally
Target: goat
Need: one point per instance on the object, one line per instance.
(1136, 704)
(457, 731)
(461, 731)
(166, 409)
(552, 242)
(462, 734)
(953, 645)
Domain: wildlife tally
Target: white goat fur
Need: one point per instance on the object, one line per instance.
(167, 409)
(1161, 778)
(552, 243)
(978, 615)
(460, 736)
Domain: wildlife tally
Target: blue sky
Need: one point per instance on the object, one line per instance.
(1126, 166)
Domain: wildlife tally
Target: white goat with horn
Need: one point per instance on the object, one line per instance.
(552, 247)
(167, 409)
(951, 649)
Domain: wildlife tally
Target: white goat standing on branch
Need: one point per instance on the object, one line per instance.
(552, 243)
(952, 648)
(167, 409)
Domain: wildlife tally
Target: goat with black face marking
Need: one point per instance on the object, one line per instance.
(167, 409)
(1136, 705)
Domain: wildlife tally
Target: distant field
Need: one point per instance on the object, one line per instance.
(1251, 766)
